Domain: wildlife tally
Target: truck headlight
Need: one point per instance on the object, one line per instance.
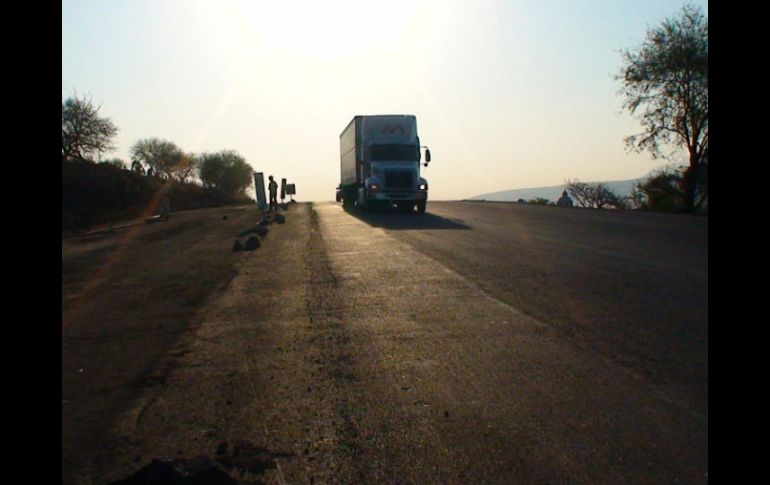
(423, 186)
(374, 187)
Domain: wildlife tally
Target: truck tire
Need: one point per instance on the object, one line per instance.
(421, 207)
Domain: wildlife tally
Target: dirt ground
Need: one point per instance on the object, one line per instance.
(127, 298)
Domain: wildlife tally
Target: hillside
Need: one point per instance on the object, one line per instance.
(100, 193)
(552, 193)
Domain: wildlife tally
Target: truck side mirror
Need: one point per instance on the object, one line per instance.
(427, 154)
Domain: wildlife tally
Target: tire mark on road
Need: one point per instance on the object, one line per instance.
(333, 357)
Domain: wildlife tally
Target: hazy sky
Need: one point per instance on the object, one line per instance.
(507, 94)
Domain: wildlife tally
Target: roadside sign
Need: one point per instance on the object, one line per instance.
(259, 188)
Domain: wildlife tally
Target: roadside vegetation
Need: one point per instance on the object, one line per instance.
(96, 191)
(664, 83)
(665, 191)
(539, 201)
(596, 195)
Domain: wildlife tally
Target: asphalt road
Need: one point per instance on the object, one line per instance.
(630, 286)
(478, 343)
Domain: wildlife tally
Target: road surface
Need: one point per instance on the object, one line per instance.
(478, 343)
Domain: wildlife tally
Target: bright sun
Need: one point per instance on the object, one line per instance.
(327, 30)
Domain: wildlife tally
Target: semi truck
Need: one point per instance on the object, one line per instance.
(380, 158)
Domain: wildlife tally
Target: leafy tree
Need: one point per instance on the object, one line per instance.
(83, 132)
(187, 166)
(661, 191)
(225, 170)
(164, 158)
(665, 80)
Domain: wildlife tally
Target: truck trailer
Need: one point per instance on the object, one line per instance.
(380, 164)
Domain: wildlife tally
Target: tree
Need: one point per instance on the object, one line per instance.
(665, 80)
(83, 132)
(162, 156)
(580, 191)
(595, 195)
(603, 195)
(661, 191)
(225, 170)
(187, 166)
(619, 202)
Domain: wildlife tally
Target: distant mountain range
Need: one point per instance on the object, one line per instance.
(552, 193)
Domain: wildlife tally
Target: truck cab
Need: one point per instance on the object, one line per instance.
(380, 164)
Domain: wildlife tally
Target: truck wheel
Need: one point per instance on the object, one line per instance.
(421, 207)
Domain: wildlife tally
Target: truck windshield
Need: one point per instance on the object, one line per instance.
(410, 153)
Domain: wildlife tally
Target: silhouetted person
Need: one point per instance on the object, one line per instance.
(564, 200)
(273, 188)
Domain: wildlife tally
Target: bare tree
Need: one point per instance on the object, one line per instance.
(83, 132)
(595, 195)
(602, 195)
(666, 81)
(581, 192)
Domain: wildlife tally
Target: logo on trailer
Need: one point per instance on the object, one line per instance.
(390, 129)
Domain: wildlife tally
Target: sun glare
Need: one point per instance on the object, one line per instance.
(330, 30)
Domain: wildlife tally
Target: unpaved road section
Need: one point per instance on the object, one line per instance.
(353, 356)
(127, 298)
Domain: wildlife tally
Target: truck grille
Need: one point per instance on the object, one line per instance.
(398, 180)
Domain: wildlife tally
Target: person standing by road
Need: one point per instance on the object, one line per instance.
(273, 188)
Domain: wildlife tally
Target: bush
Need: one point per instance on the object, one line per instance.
(661, 192)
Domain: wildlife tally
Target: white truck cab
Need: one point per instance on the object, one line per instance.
(380, 158)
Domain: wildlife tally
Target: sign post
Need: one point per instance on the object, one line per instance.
(259, 188)
(291, 190)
